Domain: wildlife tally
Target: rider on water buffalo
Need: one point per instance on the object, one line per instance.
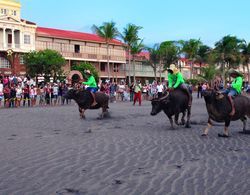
(175, 80)
(92, 86)
(235, 87)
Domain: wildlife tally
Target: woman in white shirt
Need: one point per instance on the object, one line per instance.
(19, 91)
(1, 92)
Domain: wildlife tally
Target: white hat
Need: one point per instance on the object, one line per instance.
(173, 68)
(87, 71)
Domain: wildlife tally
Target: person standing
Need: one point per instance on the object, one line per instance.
(12, 96)
(203, 88)
(26, 95)
(55, 93)
(132, 91)
(138, 88)
(159, 89)
(1, 92)
(65, 90)
(199, 89)
(18, 95)
(6, 92)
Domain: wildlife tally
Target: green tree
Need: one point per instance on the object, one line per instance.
(136, 48)
(190, 49)
(227, 53)
(81, 67)
(169, 53)
(245, 57)
(108, 32)
(208, 73)
(203, 54)
(130, 36)
(154, 58)
(47, 63)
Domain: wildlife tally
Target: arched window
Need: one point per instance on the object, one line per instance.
(4, 63)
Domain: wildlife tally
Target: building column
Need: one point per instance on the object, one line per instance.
(4, 38)
(13, 39)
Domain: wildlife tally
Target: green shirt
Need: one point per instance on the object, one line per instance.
(237, 84)
(91, 82)
(174, 80)
(137, 88)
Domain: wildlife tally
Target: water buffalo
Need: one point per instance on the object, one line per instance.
(173, 103)
(84, 99)
(219, 107)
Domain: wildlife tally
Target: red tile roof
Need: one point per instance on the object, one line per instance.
(65, 34)
(144, 55)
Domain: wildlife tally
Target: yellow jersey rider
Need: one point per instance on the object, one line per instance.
(175, 80)
(92, 86)
(235, 87)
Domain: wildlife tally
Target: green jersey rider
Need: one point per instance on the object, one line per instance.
(175, 80)
(234, 88)
(92, 86)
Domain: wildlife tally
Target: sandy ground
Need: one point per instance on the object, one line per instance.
(51, 151)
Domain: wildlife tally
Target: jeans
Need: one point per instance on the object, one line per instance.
(230, 92)
(92, 89)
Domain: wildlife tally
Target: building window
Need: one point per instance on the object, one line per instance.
(26, 39)
(4, 11)
(21, 59)
(103, 66)
(4, 63)
(9, 38)
(14, 12)
(77, 48)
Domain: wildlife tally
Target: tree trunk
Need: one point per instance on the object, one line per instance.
(108, 60)
(113, 65)
(129, 65)
(155, 72)
(223, 72)
(248, 72)
(160, 70)
(191, 70)
(134, 69)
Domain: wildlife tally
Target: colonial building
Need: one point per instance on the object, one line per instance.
(142, 69)
(78, 47)
(18, 36)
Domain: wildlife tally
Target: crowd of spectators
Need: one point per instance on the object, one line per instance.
(23, 91)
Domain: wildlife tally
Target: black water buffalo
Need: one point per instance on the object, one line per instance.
(173, 103)
(219, 107)
(84, 99)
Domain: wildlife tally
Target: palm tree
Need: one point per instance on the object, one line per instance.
(136, 48)
(190, 48)
(227, 52)
(168, 54)
(245, 53)
(107, 31)
(154, 58)
(208, 73)
(130, 36)
(203, 55)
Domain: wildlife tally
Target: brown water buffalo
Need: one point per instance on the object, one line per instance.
(219, 107)
(173, 104)
(84, 99)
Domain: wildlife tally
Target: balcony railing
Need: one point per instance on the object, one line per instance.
(92, 56)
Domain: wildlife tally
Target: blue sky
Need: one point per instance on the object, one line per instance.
(161, 20)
